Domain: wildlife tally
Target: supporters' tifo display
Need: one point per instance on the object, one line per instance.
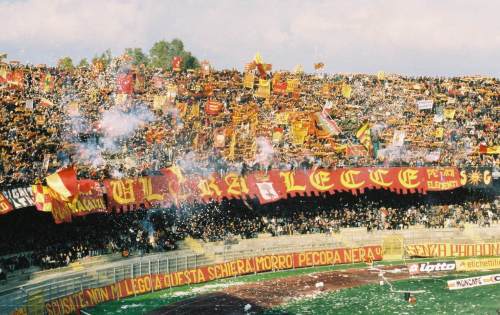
(303, 152)
(66, 196)
(150, 137)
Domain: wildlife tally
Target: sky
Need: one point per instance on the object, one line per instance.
(412, 37)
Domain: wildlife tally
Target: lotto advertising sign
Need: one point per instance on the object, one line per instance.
(473, 282)
(430, 267)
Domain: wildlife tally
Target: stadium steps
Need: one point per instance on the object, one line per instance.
(80, 265)
(197, 248)
(265, 245)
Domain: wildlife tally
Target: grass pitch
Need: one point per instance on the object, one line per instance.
(367, 299)
(376, 299)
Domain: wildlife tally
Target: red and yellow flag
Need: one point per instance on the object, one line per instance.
(484, 149)
(364, 136)
(64, 183)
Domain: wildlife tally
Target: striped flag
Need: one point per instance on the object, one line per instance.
(364, 136)
(484, 149)
(64, 182)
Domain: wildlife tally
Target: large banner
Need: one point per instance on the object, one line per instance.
(90, 199)
(19, 197)
(155, 282)
(125, 194)
(173, 187)
(452, 250)
(275, 184)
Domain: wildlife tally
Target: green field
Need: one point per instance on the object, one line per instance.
(376, 299)
(369, 299)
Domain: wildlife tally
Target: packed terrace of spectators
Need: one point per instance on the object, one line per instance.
(52, 117)
(145, 231)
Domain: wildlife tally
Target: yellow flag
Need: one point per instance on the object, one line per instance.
(281, 118)
(449, 113)
(195, 110)
(248, 80)
(159, 101)
(232, 146)
(325, 89)
(364, 136)
(258, 58)
(3, 73)
(346, 91)
(299, 133)
(292, 85)
(381, 75)
(264, 89)
(276, 78)
(120, 99)
(439, 132)
(277, 135)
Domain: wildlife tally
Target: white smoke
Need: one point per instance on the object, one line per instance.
(89, 152)
(117, 123)
(265, 151)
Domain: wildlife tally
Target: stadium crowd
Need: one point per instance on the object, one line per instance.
(145, 231)
(52, 117)
(124, 120)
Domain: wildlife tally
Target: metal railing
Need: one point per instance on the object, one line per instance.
(73, 282)
(68, 283)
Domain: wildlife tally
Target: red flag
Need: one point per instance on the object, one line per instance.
(213, 107)
(176, 63)
(125, 83)
(16, 79)
(5, 206)
(279, 88)
(262, 70)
